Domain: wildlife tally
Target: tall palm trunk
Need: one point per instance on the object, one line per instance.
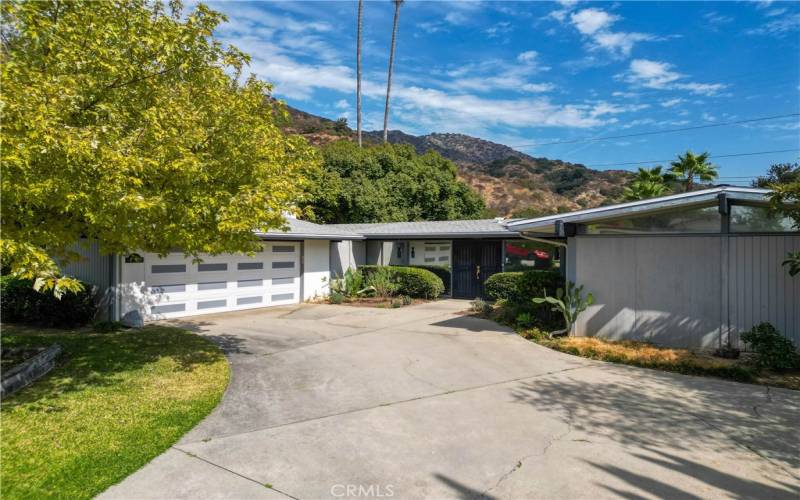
(397, 4)
(358, 71)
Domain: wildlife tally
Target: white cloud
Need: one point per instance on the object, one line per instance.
(538, 87)
(595, 25)
(715, 18)
(431, 27)
(660, 75)
(342, 104)
(498, 29)
(708, 117)
(590, 21)
(672, 102)
(779, 26)
(528, 57)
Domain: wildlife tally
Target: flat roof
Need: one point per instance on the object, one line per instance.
(546, 225)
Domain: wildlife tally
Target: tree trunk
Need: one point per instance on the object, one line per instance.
(397, 4)
(358, 72)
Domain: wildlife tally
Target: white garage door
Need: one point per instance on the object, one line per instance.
(176, 286)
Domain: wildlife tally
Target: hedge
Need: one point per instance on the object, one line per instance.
(443, 272)
(22, 304)
(520, 287)
(412, 281)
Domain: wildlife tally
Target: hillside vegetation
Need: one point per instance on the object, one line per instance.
(510, 182)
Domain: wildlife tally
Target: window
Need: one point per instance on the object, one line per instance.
(283, 249)
(213, 285)
(167, 289)
(212, 304)
(282, 281)
(168, 308)
(687, 220)
(248, 283)
(399, 250)
(282, 296)
(248, 300)
(412, 253)
(212, 267)
(752, 219)
(243, 266)
(168, 268)
(282, 265)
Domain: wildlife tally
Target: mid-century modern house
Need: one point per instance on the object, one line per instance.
(691, 269)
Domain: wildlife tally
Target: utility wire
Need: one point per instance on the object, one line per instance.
(712, 156)
(656, 132)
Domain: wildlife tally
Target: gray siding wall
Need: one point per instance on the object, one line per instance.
(94, 268)
(686, 291)
(760, 289)
(346, 254)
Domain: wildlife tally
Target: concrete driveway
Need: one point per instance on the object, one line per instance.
(423, 402)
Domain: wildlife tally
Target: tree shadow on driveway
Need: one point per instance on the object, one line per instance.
(653, 412)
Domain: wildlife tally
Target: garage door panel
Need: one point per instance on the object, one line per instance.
(177, 286)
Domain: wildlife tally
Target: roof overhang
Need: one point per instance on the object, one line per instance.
(547, 226)
(306, 236)
(442, 235)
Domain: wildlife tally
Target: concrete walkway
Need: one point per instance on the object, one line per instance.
(423, 402)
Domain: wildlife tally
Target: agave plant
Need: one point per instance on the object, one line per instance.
(351, 284)
(569, 303)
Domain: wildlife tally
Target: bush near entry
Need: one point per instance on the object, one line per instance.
(521, 287)
(443, 272)
(22, 304)
(411, 281)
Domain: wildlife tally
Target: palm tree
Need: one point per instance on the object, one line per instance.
(397, 4)
(649, 183)
(690, 167)
(358, 71)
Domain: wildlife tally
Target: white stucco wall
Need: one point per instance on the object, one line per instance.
(316, 268)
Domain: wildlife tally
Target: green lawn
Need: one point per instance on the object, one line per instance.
(113, 403)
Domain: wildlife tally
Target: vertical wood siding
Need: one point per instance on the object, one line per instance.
(688, 291)
(760, 288)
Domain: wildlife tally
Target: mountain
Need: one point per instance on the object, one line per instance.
(511, 182)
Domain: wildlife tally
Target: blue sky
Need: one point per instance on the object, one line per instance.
(529, 73)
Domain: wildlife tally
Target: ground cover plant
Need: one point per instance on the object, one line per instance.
(113, 403)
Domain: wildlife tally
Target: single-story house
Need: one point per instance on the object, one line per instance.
(689, 269)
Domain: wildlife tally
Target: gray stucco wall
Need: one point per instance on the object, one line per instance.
(346, 254)
(686, 291)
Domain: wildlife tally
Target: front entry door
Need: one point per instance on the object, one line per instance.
(473, 263)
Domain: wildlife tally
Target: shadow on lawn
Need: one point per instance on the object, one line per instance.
(652, 412)
(92, 360)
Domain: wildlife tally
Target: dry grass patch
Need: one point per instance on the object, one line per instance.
(684, 361)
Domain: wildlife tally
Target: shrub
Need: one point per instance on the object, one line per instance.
(481, 307)
(22, 304)
(524, 320)
(382, 282)
(336, 298)
(107, 326)
(503, 286)
(349, 285)
(443, 272)
(772, 350)
(411, 281)
(521, 287)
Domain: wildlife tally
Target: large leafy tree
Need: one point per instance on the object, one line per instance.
(127, 122)
(779, 173)
(388, 183)
(649, 183)
(690, 167)
(785, 199)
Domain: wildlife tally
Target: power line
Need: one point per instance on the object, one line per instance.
(656, 132)
(712, 156)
